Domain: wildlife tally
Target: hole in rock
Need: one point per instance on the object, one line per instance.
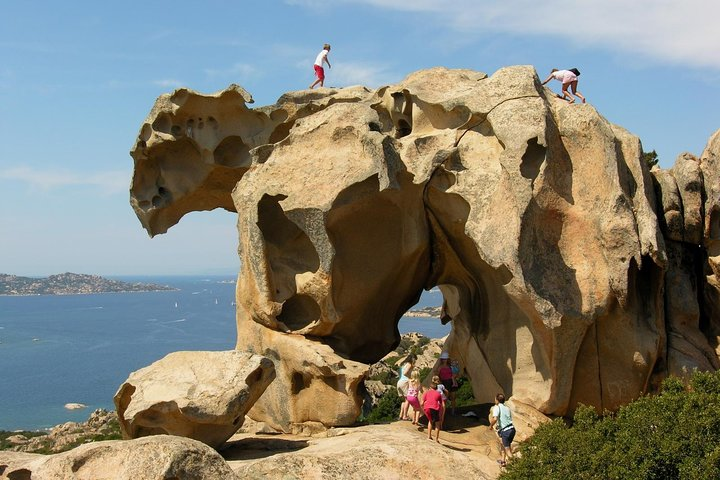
(232, 152)
(532, 159)
(297, 383)
(426, 316)
(162, 198)
(403, 129)
(162, 123)
(299, 311)
(289, 251)
(715, 223)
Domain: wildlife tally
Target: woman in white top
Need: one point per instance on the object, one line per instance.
(402, 385)
(569, 80)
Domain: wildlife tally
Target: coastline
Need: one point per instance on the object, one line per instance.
(170, 289)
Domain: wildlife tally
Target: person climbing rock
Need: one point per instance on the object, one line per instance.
(569, 79)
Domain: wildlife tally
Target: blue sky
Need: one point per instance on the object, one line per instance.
(78, 78)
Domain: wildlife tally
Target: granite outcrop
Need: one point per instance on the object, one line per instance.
(570, 271)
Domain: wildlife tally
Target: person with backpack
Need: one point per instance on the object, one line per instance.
(569, 79)
(501, 420)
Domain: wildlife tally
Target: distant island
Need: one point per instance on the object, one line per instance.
(424, 312)
(71, 284)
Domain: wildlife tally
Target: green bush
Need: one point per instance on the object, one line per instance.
(386, 377)
(464, 395)
(424, 372)
(672, 435)
(387, 409)
(392, 361)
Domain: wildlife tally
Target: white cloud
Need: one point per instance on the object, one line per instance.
(357, 73)
(681, 32)
(169, 83)
(111, 182)
(240, 71)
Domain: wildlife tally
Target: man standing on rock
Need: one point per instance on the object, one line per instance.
(319, 70)
(502, 416)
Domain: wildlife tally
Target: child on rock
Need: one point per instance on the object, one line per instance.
(413, 394)
(433, 405)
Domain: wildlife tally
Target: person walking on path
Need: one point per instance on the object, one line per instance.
(432, 403)
(569, 80)
(319, 70)
(448, 378)
(501, 416)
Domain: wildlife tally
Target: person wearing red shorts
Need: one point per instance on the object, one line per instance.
(319, 70)
(432, 403)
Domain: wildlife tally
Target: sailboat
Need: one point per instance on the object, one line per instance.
(175, 304)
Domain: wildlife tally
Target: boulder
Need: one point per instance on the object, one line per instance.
(313, 384)
(199, 395)
(160, 456)
(538, 220)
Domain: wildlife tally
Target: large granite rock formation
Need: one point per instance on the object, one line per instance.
(199, 395)
(537, 219)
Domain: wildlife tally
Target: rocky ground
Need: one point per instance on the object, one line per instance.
(467, 449)
(101, 425)
(397, 449)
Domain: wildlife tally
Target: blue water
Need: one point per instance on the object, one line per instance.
(80, 348)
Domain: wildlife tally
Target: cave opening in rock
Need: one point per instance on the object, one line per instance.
(427, 317)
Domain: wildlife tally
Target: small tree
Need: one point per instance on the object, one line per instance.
(651, 158)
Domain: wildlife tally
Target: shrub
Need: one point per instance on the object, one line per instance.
(392, 361)
(672, 435)
(464, 395)
(386, 377)
(387, 409)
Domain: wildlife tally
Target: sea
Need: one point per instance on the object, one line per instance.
(60, 349)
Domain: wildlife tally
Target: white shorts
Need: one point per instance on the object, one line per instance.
(569, 77)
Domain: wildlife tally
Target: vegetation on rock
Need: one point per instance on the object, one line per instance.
(101, 425)
(672, 435)
(650, 158)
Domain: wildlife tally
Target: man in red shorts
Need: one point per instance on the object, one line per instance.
(319, 71)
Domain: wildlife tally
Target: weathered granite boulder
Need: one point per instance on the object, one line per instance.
(199, 395)
(538, 220)
(160, 456)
